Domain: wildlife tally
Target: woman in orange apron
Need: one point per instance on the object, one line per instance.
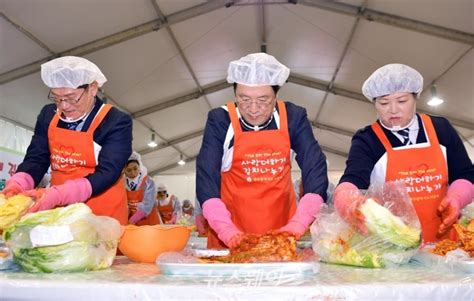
(243, 171)
(424, 152)
(85, 141)
(140, 193)
(168, 205)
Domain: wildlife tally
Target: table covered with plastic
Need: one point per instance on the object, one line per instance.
(126, 280)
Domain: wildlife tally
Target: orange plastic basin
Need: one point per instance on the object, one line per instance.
(145, 243)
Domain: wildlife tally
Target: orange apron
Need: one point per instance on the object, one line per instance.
(424, 172)
(72, 156)
(134, 198)
(166, 211)
(257, 190)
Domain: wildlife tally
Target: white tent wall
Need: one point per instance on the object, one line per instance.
(14, 141)
(182, 186)
(14, 137)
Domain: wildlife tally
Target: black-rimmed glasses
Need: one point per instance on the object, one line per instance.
(260, 102)
(69, 100)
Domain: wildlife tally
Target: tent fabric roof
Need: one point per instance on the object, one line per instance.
(166, 60)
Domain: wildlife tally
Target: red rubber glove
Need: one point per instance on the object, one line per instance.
(219, 218)
(458, 196)
(308, 208)
(347, 201)
(18, 183)
(72, 191)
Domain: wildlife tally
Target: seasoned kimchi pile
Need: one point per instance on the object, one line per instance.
(466, 241)
(269, 247)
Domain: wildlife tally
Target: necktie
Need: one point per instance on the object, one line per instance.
(73, 125)
(131, 184)
(405, 135)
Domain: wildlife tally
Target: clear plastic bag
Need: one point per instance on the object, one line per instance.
(456, 261)
(467, 213)
(394, 231)
(185, 219)
(68, 239)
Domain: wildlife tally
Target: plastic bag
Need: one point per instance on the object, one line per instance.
(68, 239)
(394, 231)
(185, 219)
(467, 214)
(456, 261)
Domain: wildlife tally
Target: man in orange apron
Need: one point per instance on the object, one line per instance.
(140, 193)
(424, 152)
(85, 141)
(243, 170)
(168, 205)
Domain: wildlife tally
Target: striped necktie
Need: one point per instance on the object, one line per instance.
(405, 135)
(73, 125)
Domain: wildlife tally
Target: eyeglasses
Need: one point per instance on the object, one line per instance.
(68, 99)
(260, 102)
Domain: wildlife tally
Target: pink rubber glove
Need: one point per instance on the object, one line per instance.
(459, 195)
(347, 201)
(200, 221)
(72, 191)
(309, 206)
(136, 217)
(19, 182)
(219, 218)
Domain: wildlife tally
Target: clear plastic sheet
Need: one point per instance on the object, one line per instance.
(394, 231)
(126, 280)
(467, 212)
(456, 261)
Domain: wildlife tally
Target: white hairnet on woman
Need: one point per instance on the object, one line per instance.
(393, 78)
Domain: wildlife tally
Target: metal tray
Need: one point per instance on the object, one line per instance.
(264, 270)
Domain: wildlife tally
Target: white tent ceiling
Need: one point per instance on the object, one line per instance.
(166, 60)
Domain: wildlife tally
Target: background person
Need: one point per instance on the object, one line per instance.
(141, 193)
(168, 205)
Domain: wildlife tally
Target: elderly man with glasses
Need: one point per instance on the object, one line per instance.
(85, 142)
(243, 170)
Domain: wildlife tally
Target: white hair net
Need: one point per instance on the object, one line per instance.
(187, 204)
(160, 187)
(392, 78)
(257, 69)
(135, 156)
(70, 72)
